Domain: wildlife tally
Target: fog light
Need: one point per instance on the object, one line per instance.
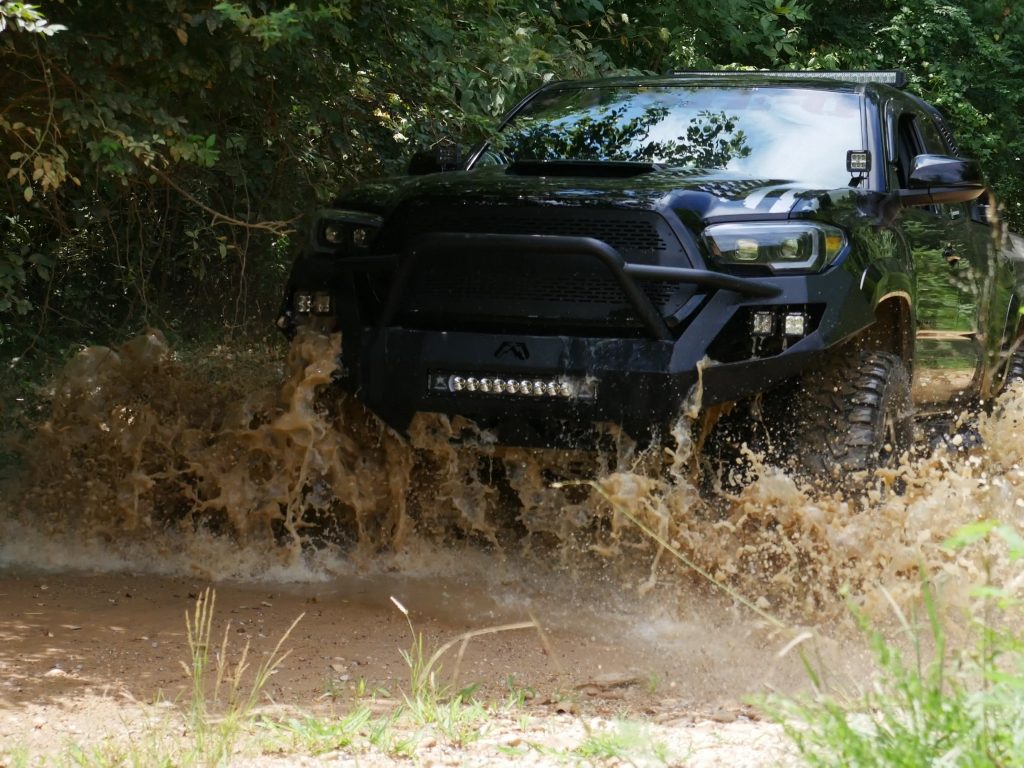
(485, 385)
(762, 323)
(538, 387)
(472, 384)
(322, 303)
(551, 389)
(795, 324)
(303, 303)
(565, 389)
(458, 383)
(334, 234)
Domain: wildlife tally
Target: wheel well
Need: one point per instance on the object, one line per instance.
(892, 331)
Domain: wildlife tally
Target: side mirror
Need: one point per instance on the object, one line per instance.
(445, 156)
(943, 171)
(937, 179)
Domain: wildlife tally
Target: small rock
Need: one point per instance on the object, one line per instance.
(612, 680)
(723, 716)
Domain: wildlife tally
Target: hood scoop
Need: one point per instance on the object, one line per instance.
(591, 169)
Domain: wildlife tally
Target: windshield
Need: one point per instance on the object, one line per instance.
(759, 132)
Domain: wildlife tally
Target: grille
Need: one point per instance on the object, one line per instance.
(449, 284)
(529, 290)
(631, 234)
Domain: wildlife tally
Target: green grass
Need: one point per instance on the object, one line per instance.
(627, 743)
(929, 705)
(453, 713)
(316, 736)
(215, 730)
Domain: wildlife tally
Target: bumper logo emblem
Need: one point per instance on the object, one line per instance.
(515, 348)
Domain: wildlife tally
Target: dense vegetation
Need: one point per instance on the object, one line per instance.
(157, 155)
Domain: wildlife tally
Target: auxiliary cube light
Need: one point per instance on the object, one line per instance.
(765, 323)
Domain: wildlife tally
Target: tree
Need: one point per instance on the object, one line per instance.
(157, 157)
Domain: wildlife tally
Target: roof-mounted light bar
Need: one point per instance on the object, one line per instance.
(893, 77)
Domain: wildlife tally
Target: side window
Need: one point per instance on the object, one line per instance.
(916, 135)
(909, 144)
(932, 138)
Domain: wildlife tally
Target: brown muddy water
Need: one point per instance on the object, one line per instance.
(144, 467)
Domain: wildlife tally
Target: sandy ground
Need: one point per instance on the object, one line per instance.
(90, 658)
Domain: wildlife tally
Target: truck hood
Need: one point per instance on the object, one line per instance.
(707, 195)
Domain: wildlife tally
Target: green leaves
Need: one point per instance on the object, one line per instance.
(986, 529)
(194, 148)
(261, 109)
(25, 17)
(271, 28)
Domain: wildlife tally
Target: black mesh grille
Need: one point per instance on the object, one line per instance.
(632, 234)
(531, 290)
(506, 285)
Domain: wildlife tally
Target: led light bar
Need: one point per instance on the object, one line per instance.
(561, 387)
(892, 77)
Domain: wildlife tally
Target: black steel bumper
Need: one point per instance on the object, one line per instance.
(638, 383)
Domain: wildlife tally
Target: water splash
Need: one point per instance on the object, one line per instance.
(141, 451)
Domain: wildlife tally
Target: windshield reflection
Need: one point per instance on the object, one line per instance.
(790, 134)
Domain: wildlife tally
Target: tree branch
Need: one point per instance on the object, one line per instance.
(274, 227)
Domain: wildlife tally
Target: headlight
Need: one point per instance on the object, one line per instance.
(789, 246)
(344, 233)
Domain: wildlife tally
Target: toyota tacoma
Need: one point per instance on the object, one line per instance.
(806, 247)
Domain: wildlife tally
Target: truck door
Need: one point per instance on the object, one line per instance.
(950, 276)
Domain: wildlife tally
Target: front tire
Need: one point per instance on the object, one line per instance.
(854, 416)
(1014, 368)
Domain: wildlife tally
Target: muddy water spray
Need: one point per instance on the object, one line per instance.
(138, 444)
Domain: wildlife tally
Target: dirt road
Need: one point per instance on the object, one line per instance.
(90, 658)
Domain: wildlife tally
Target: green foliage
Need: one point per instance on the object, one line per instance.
(966, 58)
(25, 17)
(939, 707)
(157, 158)
(160, 154)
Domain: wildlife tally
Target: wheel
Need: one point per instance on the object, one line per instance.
(1014, 367)
(854, 415)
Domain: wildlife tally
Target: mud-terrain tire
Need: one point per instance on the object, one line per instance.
(854, 415)
(1014, 367)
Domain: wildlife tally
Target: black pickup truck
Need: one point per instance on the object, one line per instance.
(806, 246)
